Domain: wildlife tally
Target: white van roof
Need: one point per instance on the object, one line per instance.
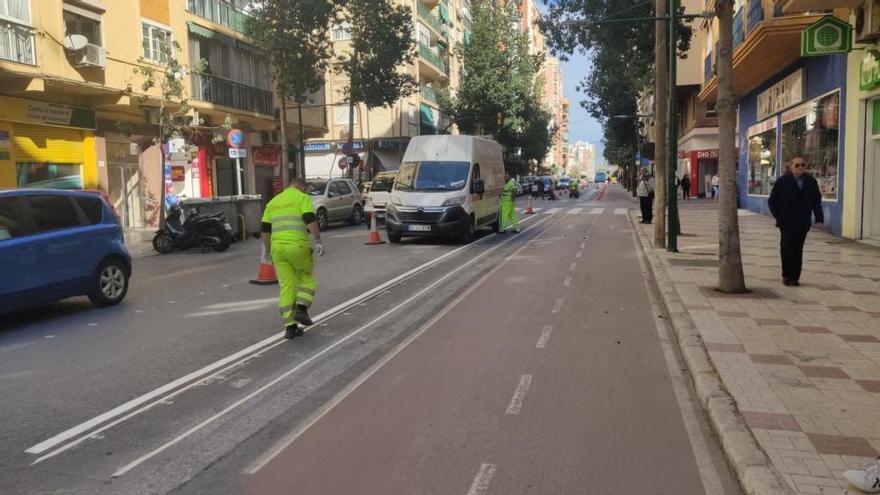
(448, 148)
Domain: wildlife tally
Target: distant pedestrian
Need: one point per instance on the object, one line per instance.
(645, 191)
(795, 196)
(716, 184)
(685, 187)
(540, 184)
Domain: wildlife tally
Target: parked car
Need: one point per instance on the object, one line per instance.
(377, 198)
(336, 200)
(57, 244)
(564, 183)
(526, 183)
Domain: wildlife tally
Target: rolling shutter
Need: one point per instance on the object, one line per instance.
(33, 143)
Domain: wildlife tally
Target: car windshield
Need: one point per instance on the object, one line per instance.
(382, 184)
(432, 176)
(316, 188)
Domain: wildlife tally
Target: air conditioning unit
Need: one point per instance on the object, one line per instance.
(867, 21)
(92, 56)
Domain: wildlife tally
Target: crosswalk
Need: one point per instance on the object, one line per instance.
(574, 211)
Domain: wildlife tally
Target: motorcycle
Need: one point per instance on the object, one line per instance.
(209, 231)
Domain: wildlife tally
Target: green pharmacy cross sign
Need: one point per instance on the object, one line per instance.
(826, 36)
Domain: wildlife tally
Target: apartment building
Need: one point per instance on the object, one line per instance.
(553, 101)
(67, 119)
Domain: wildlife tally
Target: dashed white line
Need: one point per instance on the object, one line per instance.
(579, 253)
(567, 282)
(519, 395)
(558, 304)
(573, 267)
(545, 336)
(574, 211)
(554, 210)
(480, 486)
(597, 211)
(620, 211)
(583, 244)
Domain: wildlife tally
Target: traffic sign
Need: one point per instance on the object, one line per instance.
(237, 152)
(235, 138)
(344, 161)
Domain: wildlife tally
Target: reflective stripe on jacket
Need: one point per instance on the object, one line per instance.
(509, 188)
(285, 213)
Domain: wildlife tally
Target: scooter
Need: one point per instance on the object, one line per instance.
(209, 231)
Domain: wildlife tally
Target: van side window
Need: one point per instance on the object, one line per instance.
(11, 222)
(52, 213)
(92, 209)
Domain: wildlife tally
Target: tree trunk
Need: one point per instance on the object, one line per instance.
(730, 270)
(285, 171)
(661, 89)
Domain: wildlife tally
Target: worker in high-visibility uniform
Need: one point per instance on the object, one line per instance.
(286, 224)
(508, 207)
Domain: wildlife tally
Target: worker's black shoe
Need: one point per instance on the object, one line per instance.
(302, 316)
(293, 332)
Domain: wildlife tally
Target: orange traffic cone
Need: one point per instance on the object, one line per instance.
(529, 210)
(374, 232)
(266, 273)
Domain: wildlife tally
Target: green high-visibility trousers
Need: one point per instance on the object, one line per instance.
(508, 213)
(293, 265)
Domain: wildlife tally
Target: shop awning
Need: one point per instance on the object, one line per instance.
(207, 33)
(444, 14)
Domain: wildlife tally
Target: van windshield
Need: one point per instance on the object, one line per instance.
(382, 184)
(432, 176)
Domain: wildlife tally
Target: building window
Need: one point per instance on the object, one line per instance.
(340, 115)
(341, 32)
(813, 129)
(16, 36)
(762, 160)
(17, 10)
(82, 22)
(156, 42)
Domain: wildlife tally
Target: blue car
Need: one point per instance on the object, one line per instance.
(58, 244)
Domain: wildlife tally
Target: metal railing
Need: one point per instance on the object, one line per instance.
(739, 33)
(222, 91)
(432, 58)
(756, 14)
(428, 93)
(430, 18)
(220, 12)
(17, 43)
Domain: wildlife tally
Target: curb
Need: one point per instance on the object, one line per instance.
(753, 469)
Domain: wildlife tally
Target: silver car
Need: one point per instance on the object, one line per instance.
(335, 200)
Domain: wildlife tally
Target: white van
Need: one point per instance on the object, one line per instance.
(447, 186)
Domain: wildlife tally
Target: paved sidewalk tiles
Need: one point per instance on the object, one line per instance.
(802, 364)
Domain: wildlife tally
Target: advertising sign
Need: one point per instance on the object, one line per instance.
(266, 155)
(178, 173)
(43, 113)
(786, 93)
(826, 36)
(869, 71)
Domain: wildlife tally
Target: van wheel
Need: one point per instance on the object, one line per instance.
(393, 238)
(321, 217)
(468, 236)
(111, 283)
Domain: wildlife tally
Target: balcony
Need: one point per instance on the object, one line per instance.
(738, 33)
(435, 65)
(796, 6)
(219, 12)
(232, 94)
(428, 93)
(16, 43)
(431, 20)
(756, 14)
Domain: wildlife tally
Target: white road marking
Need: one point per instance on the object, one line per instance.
(554, 210)
(50, 336)
(573, 266)
(558, 304)
(138, 311)
(235, 358)
(579, 253)
(128, 467)
(480, 486)
(597, 211)
(574, 211)
(545, 336)
(620, 211)
(536, 210)
(519, 395)
(583, 244)
(567, 282)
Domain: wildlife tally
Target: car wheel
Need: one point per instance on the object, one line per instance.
(357, 215)
(111, 283)
(394, 238)
(163, 243)
(321, 217)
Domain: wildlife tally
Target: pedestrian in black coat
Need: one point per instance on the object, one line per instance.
(794, 200)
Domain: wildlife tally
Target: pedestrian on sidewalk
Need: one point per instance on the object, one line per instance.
(287, 221)
(716, 185)
(794, 197)
(645, 191)
(508, 206)
(685, 187)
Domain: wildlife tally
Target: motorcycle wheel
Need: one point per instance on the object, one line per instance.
(163, 243)
(225, 239)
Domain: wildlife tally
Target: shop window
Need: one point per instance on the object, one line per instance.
(762, 162)
(156, 42)
(90, 26)
(813, 130)
(52, 213)
(11, 224)
(49, 175)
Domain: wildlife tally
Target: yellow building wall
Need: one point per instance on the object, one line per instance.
(156, 10)
(90, 162)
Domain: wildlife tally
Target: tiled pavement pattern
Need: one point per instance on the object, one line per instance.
(802, 363)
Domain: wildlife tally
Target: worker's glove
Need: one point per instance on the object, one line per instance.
(319, 249)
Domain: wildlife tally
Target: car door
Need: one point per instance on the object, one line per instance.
(18, 262)
(348, 193)
(333, 201)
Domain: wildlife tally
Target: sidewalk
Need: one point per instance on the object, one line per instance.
(139, 242)
(802, 364)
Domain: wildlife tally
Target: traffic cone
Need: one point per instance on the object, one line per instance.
(266, 273)
(374, 232)
(529, 210)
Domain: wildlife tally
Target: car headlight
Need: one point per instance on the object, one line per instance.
(455, 201)
(395, 201)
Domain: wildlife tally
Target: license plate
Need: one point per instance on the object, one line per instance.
(227, 227)
(419, 228)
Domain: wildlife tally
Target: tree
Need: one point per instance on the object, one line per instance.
(661, 123)
(382, 44)
(294, 36)
(730, 269)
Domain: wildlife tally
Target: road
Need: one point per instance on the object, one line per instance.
(529, 363)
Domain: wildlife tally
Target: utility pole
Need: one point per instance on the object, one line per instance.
(661, 83)
(672, 170)
(301, 169)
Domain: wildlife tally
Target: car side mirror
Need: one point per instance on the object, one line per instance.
(479, 187)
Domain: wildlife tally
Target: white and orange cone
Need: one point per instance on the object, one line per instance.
(529, 210)
(266, 273)
(374, 231)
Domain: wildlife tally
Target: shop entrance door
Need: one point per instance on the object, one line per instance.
(263, 182)
(225, 177)
(872, 169)
(124, 181)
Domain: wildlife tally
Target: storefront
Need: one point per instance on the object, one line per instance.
(46, 145)
(700, 166)
(798, 111)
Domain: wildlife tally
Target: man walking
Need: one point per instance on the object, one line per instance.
(286, 224)
(793, 198)
(716, 186)
(645, 191)
(508, 207)
(685, 187)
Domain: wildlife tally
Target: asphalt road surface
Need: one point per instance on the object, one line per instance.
(529, 363)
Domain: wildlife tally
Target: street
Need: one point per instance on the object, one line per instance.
(527, 363)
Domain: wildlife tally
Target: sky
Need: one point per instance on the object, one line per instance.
(582, 127)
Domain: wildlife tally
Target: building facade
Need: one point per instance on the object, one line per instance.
(554, 103)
